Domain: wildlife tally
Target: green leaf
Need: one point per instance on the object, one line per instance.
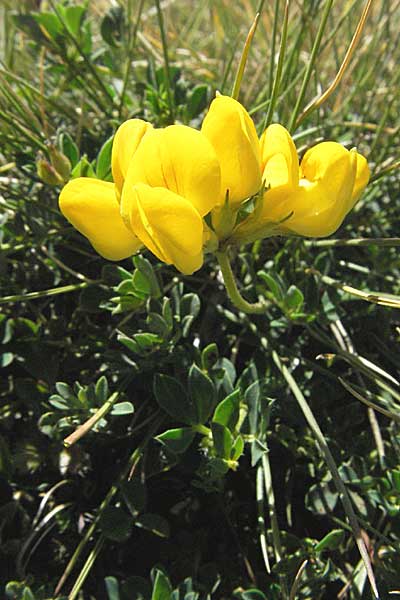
(209, 356)
(294, 299)
(122, 408)
(115, 524)
(322, 498)
(112, 587)
(171, 397)
(83, 168)
(331, 541)
(202, 393)
(141, 284)
(50, 23)
(111, 26)
(74, 16)
(273, 285)
(103, 161)
(227, 411)
(257, 451)
(162, 588)
(101, 389)
(134, 494)
(223, 440)
(251, 594)
(140, 343)
(59, 403)
(177, 440)
(197, 101)
(189, 309)
(64, 390)
(69, 148)
(154, 523)
(145, 267)
(237, 448)
(158, 325)
(396, 479)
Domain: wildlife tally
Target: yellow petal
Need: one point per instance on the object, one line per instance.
(279, 161)
(166, 223)
(324, 196)
(318, 205)
(92, 208)
(231, 131)
(362, 177)
(126, 141)
(182, 160)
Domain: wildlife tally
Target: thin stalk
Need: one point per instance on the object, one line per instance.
(16, 125)
(317, 102)
(341, 488)
(132, 462)
(385, 171)
(261, 520)
(389, 300)
(278, 76)
(90, 423)
(243, 58)
(132, 41)
(353, 242)
(164, 42)
(58, 105)
(64, 289)
(273, 43)
(232, 289)
(310, 66)
(276, 536)
(87, 567)
(297, 579)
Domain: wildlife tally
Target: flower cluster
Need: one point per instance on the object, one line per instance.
(166, 181)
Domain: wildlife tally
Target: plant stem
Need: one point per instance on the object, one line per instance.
(261, 520)
(310, 66)
(43, 293)
(278, 76)
(243, 58)
(232, 289)
(341, 488)
(90, 423)
(131, 45)
(276, 537)
(166, 61)
(132, 462)
(395, 241)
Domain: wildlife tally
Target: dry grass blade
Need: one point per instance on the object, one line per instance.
(351, 388)
(317, 102)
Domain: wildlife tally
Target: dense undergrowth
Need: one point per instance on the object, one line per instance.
(201, 471)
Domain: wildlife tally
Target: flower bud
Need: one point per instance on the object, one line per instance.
(60, 163)
(47, 172)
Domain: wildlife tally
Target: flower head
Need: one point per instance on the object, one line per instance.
(167, 180)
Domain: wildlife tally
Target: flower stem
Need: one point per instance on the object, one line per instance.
(232, 289)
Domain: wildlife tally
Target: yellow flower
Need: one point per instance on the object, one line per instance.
(126, 141)
(233, 135)
(172, 182)
(167, 180)
(92, 207)
(309, 200)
